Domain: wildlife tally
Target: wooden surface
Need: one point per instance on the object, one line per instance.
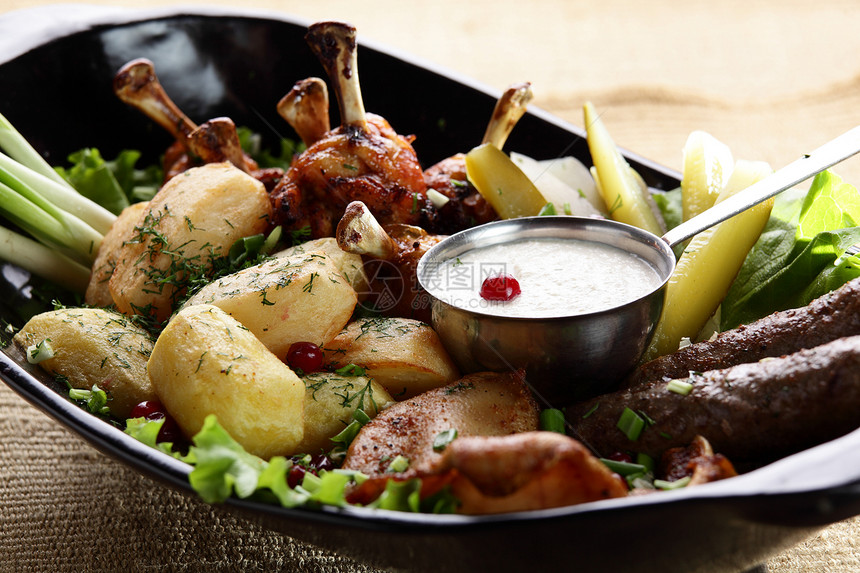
(770, 79)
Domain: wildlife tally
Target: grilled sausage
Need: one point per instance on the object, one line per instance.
(827, 318)
(751, 413)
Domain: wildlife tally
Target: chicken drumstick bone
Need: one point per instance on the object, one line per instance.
(363, 159)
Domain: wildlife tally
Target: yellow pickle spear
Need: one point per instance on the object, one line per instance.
(504, 185)
(619, 183)
(709, 264)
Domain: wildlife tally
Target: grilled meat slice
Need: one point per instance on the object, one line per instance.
(483, 404)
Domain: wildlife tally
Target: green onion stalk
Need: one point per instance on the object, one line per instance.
(65, 228)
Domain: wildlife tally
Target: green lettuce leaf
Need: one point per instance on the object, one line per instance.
(804, 251)
(112, 184)
(223, 467)
(146, 431)
(251, 143)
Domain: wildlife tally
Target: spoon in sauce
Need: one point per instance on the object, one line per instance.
(569, 356)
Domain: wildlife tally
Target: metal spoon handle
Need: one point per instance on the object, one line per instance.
(827, 155)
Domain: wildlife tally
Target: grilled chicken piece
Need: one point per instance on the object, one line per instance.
(482, 404)
(214, 141)
(363, 159)
(521, 472)
(390, 254)
(466, 207)
(305, 108)
(696, 461)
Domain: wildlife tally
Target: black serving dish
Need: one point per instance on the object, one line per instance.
(56, 65)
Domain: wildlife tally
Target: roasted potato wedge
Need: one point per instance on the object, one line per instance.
(205, 362)
(350, 265)
(193, 219)
(404, 355)
(92, 346)
(98, 291)
(330, 400)
(302, 298)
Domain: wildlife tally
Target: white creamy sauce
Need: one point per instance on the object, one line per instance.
(558, 277)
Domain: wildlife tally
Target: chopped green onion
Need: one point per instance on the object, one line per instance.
(548, 209)
(646, 461)
(640, 481)
(272, 240)
(398, 465)
(350, 370)
(677, 484)
(438, 199)
(624, 468)
(95, 400)
(679, 387)
(39, 352)
(552, 420)
(631, 424)
(444, 438)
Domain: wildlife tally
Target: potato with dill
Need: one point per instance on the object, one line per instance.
(192, 220)
(331, 399)
(406, 356)
(92, 347)
(300, 298)
(206, 362)
(350, 265)
(98, 289)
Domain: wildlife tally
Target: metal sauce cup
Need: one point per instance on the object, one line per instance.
(566, 358)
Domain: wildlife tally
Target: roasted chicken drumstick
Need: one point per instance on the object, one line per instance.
(214, 141)
(465, 206)
(390, 254)
(305, 108)
(363, 159)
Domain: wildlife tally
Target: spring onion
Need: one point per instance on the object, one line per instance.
(38, 352)
(624, 468)
(679, 387)
(21, 151)
(64, 228)
(398, 465)
(677, 484)
(552, 420)
(443, 438)
(38, 259)
(631, 424)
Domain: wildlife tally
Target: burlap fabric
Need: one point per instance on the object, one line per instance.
(770, 79)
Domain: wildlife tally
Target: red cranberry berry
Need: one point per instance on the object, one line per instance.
(153, 410)
(305, 356)
(321, 462)
(620, 457)
(296, 475)
(500, 287)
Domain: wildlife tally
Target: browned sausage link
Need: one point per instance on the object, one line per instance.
(751, 413)
(827, 318)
